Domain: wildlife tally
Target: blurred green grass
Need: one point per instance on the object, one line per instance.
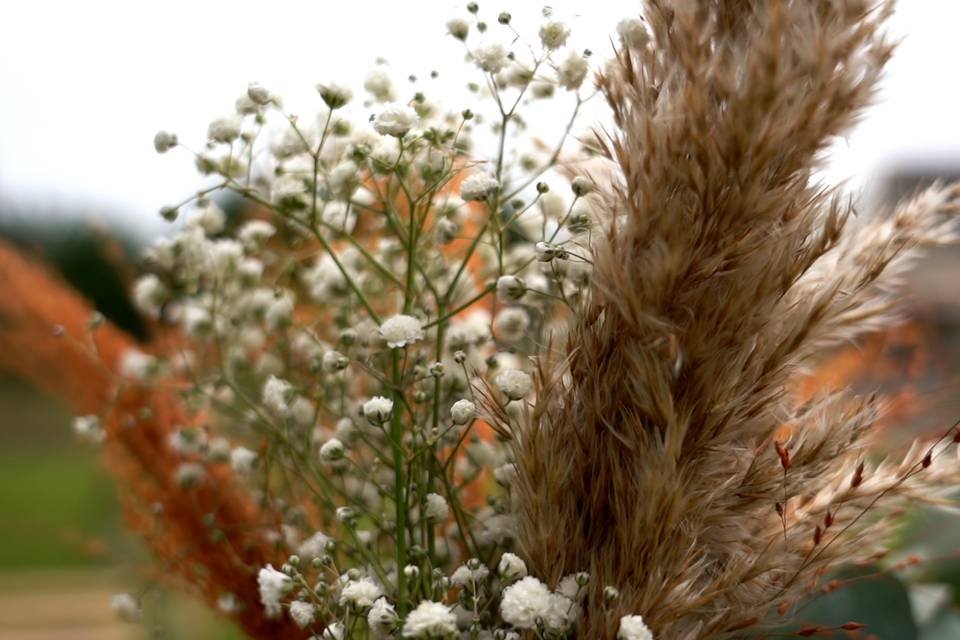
(61, 530)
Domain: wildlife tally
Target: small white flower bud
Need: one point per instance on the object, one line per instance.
(126, 607)
(458, 28)
(479, 186)
(332, 450)
(334, 95)
(258, 94)
(302, 613)
(242, 460)
(89, 429)
(572, 71)
(436, 507)
(633, 628)
(224, 129)
(189, 474)
(401, 330)
(633, 33)
(346, 515)
(378, 83)
(491, 57)
(511, 567)
(164, 141)
(514, 384)
(377, 409)
(581, 186)
(334, 361)
(554, 34)
(546, 252)
(395, 120)
(505, 474)
(510, 288)
(463, 411)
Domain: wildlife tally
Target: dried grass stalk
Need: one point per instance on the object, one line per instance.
(666, 453)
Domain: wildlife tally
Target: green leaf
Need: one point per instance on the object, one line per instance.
(880, 602)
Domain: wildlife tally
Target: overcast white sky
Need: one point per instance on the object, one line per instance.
(84, 85)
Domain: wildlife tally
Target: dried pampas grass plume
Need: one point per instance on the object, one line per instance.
(667, 445)
(211, 538)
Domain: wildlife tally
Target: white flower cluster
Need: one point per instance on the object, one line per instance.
(335, 339)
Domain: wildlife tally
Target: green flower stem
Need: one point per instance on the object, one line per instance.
(399, 483)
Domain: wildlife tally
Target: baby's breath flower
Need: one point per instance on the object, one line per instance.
(430, 620)
(361, 593)
(379, 85)
(458, 28)
(210, 218)
(334, 95)
(382, 617)
(395, 120)
(401, 330)
(138, 366)
(274, 586)
(315, 546)
(510, 288)
(224, 129)
(554, 34)
(511, 324)
(525, 602)
(377, 409)
(581, 186)
(511, 567)
(279, 313)
(190, 474)
(542, 89)
(436, 507)
(334, 361)
(332, 449)
(466, 576)
(572, 71)
(302, 613)
(505, 474)
(334, 631)
(258, 94)
(276, 395)
(228, 603)
(89, 429)
(242, 459)
(491, 57)
(546, 252)
(633, 32)
(245, 106)
(514, 384)
(196, 320)
(286, 189)
(164, 141)
(479, 186)
(126, 607)
(463, 411)
(256, 231)
(633, 628)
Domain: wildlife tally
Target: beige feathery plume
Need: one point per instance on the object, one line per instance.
(665, 454)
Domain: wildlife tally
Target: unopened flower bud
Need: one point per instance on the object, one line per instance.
(547, 252)
(258, 94)
(463, 411)
(581, 186)
(510, 288)
(164, 141)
